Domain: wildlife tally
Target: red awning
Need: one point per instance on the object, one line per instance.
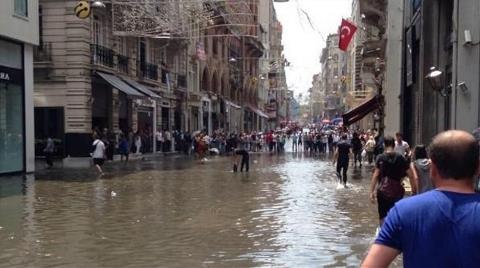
(362, 110)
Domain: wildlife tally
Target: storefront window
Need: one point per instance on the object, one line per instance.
(11, 128)
(21, 7)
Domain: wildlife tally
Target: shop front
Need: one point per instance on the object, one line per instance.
(145, 126)
(146, 110)
(12, 108)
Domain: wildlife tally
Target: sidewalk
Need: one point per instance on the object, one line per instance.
(85, 162)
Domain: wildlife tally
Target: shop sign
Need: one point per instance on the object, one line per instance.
(4, 76)
(11, 75)
(165, 104)
(146, 102)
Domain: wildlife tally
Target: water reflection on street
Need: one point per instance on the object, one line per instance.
(287, 212)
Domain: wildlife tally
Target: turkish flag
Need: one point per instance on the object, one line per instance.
(347, 30)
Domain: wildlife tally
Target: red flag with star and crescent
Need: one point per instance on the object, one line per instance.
(347, 30)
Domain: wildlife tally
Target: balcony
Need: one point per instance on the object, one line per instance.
(43, 53)
(122, 64)
(357, 97)
(373, 8)
(101, 55)
(42, 59)
(148, 71)
(182, 81)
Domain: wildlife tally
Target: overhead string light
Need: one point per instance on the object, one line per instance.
(184, 19)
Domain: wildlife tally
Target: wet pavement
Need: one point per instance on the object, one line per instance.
(287, 212)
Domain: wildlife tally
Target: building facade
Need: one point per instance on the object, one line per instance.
(18, 37)
(365, 100)
(105, 73)
(333, 86)
(443, 35)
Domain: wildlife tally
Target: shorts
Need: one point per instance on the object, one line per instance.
(98, 161)
(384, 205)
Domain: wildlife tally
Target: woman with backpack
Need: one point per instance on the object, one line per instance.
(386, 186)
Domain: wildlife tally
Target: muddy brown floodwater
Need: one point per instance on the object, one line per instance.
(287, 212)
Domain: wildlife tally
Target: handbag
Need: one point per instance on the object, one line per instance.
(391, 189)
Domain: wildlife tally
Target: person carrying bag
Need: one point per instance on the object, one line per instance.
(386, 186)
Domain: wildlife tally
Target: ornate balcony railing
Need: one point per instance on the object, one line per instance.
(43, 53)
(148, 70)
(101, 55)
(122, 63)
(182, 81)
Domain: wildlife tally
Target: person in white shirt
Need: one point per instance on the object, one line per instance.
(160, 139)
(138, 144)
(98, 154)
(401, 146)
(168, 141)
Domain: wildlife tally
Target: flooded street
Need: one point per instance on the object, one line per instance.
(287, 212)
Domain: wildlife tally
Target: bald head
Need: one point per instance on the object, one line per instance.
(455, 153)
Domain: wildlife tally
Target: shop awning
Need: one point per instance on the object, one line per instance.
(118, 83)
(232, 104)
(362, 110)
(142, 88)
(257, 111)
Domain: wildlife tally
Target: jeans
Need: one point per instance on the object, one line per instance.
(342, 166)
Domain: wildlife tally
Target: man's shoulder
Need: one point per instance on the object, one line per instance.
(430, 200)
(418, 200)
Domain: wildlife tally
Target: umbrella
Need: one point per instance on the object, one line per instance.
(337, 120)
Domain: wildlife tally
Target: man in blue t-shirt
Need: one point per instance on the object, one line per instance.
(439, 228)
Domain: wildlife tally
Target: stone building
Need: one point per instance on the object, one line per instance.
(444, 35)
(88, 78)
(276, 105)
(367, 68)
(101, 73)
(18, 37)
(333, 75)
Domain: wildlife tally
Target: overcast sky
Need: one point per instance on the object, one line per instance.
(303, 44)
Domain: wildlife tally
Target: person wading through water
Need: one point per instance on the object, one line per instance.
(386, 185)
(342, 158)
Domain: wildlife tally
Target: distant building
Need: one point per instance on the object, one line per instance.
(332, 78)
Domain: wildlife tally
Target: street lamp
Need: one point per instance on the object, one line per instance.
(98, 4)
(436, 79)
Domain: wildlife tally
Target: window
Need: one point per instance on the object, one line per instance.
(415, 5)
(122, 45)
(215, 46)
(11, 108)
(97, 31)
(40, 25)
(21, 7)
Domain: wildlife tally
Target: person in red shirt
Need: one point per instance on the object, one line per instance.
(269, 141)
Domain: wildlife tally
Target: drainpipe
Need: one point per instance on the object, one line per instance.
(453, 108)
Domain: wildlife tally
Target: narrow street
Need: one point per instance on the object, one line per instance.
(175, 212)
